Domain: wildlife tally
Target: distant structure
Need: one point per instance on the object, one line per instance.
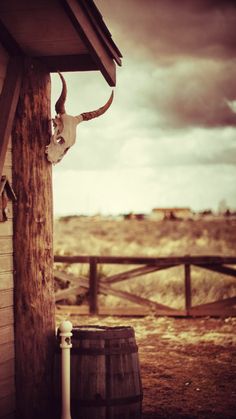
(133, 216)
(171, 213)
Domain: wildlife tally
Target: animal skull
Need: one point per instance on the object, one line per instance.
(64, 125)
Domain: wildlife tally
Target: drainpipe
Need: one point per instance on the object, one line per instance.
(65, 334)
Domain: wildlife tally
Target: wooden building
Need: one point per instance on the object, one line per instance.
(36, 38)
(171, 213)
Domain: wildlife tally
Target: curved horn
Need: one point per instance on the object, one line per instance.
(60, 104)
(94, 114)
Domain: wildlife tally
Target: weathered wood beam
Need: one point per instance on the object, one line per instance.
(93, 287)
(133, 273)
(108, 290)
(6, 316)
(82, 62)
(90, 38)
(218, 268)
(9, 42)
(99, 26)
(8, 102)
(124, 311)
(187, 286)
(226, 302)
(68, 292)
(33, 247)
(132, 260)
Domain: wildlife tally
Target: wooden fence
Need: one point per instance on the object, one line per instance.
(95, 285)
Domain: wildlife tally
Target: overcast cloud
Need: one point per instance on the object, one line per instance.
(169, 138)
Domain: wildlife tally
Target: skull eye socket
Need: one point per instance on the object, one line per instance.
(60, 140)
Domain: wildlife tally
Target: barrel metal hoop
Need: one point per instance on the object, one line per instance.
(109, 403)
(123, 350)
(102, 332)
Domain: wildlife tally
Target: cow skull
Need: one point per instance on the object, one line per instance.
(64, 125)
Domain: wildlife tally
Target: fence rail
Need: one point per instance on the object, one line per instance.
(95, 285)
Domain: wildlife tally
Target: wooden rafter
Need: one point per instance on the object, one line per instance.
(88, 34)
(8, 102)
(9, 43)
(102, 31)
(70, 63)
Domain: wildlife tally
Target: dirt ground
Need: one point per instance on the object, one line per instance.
(188, 366)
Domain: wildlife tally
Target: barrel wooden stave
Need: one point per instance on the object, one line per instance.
(105, 374)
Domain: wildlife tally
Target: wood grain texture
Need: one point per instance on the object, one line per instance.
(125, 311)
(7, 352)
(6, 298)
(105, 289)
(167, 260)
(95, 285)
(6, 262)
(225, 270)
(187, 285)
(7, 387)
(6, 280)
(6, 316)
(91, 40)
(3, 64)
(7, 334)
(6, 229)
(7, 369)
(7, 407)
(33, 253)
(10, 416)
(6, 245)
(134, 273)
(105, 374)
(8, 102)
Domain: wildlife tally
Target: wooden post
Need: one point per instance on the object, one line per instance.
(93, 286)
(188, 302)
(33, 246)
(8, 102)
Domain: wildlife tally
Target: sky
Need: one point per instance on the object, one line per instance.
(169, 138)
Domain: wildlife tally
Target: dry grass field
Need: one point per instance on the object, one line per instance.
(188, 366)
(89, 236)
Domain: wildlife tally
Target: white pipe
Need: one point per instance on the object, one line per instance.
(65, 334)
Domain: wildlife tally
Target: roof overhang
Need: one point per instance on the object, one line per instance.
(67, 35)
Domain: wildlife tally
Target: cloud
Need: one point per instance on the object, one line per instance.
(179, 59)
(190, 95)
(165, 29)
(169, 137)
(187, 148)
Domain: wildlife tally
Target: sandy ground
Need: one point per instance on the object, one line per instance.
(188, 366)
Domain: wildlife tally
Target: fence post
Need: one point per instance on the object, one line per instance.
(188, 299)
(93, 286)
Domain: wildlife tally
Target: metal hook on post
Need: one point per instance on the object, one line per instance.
(65, 345)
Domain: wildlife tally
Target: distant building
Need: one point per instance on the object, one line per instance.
(171, 213)
(132, 216)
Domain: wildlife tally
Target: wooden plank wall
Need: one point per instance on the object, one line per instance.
(7, 349)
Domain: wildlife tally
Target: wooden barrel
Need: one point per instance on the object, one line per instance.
(105, 373)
